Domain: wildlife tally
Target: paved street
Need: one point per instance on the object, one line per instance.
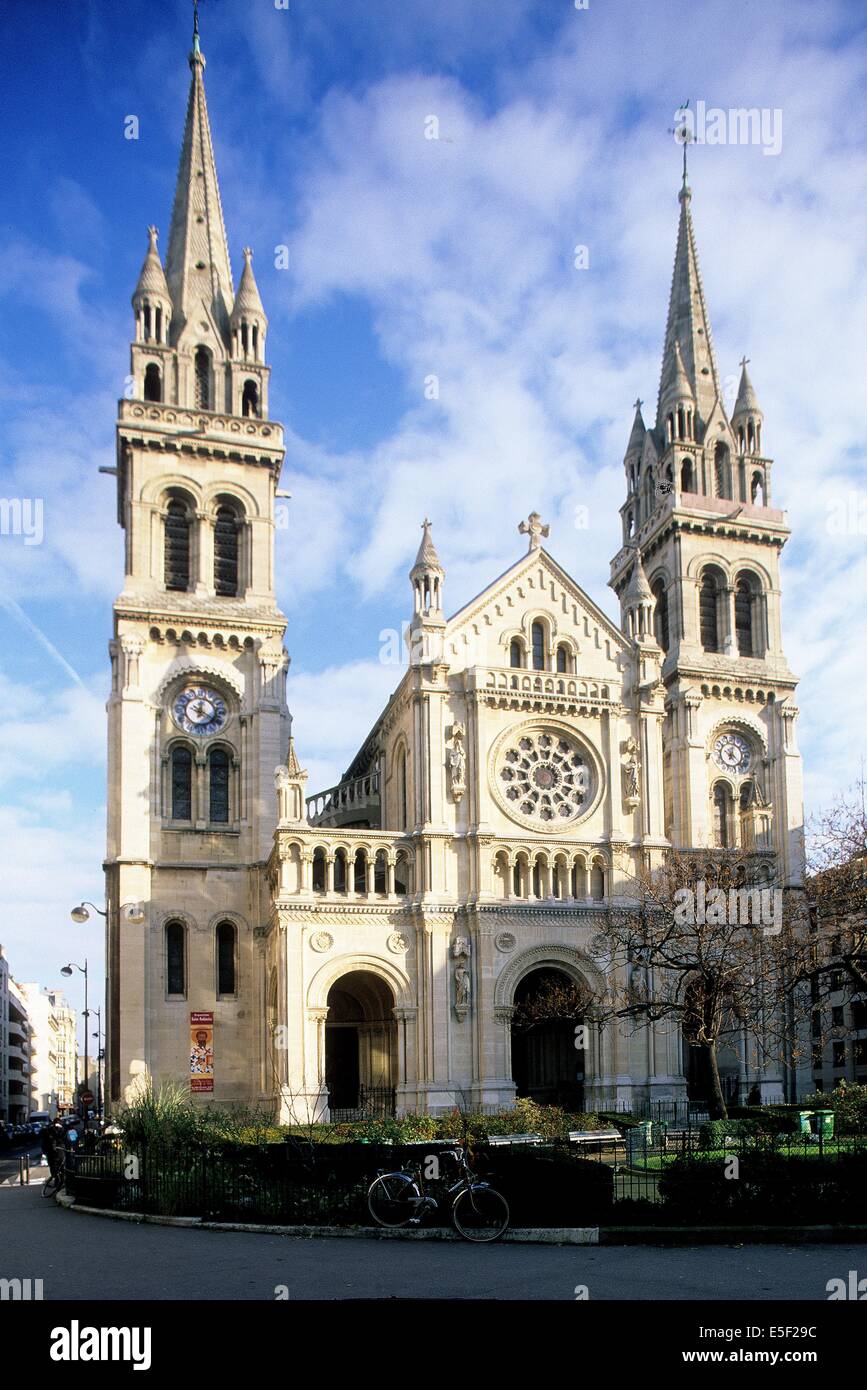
(82, 1257)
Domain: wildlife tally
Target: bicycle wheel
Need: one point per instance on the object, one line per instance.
(392, 1199)
(480, 1213)
(51, 1186)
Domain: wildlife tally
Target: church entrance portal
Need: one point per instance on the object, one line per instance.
(360, 1047)
(546, 1066)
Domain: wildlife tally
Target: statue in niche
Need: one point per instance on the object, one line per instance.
(631, 773)
(462, 985)
(456, 761)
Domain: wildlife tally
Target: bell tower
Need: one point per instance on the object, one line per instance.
(698, 520)
(197, 716)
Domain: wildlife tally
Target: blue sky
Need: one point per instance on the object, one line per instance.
(410, 258)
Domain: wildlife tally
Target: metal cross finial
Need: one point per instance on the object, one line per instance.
(533, 528)
(426, 524)
(639, 403)
(682, 133)
(743, 362)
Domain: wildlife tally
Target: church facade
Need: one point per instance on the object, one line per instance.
(365, 948)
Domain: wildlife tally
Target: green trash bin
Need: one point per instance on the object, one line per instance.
(804, 1119)
(825, 1123)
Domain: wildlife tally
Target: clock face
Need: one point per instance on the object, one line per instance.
(732, 753)
(199, 710)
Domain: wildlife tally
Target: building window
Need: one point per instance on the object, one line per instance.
(182, 783)
(250, 399)
(175, 958)
(597, 882)
(401, 790)
(837, 1019)
(839, 1055)
(153, 383)
(687, 483)
(218, 786)
(226, 938)
(319, 871)
(177, 545)
(203, 379)
(516, 655)
(538, 636)
(708, 614)
(562, 658)
(745, 609)
(721, 816)
(722, 472)
(660, 614)
(226, 553)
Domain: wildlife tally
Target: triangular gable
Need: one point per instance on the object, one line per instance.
(535, 574)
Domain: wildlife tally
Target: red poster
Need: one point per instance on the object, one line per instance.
(201, 1052)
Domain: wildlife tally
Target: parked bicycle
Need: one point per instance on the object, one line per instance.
(479, 1213)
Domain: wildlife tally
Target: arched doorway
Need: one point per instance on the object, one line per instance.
(546, 1065)
(360, 1047)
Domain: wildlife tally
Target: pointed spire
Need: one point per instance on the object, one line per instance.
(427, 558)
(248, 303)
(151, 280)
(638, 432)
(688, 350)
(198, 268)
(638, 589)
(747, 402)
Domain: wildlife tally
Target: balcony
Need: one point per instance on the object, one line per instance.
(355, 802)
(159, 417)
(340, 866)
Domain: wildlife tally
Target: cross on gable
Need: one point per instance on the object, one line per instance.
(534, 528)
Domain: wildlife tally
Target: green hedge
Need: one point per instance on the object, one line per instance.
(769, 1188)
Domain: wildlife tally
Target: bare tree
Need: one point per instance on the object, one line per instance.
(837, 892)
(710, 942)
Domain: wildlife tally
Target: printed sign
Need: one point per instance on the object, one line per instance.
(201, 1052)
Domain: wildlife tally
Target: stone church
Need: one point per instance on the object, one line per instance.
(362, 949)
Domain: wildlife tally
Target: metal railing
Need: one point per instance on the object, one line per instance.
(359, 793)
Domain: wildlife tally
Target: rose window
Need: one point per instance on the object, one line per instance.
(544, 778)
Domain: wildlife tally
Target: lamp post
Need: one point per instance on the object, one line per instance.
(134, 915)
(67, 970)
(100, 1053)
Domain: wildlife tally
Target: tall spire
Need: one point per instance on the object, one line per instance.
(688, 326)
(197, 262)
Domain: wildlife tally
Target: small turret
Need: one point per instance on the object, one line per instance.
(747, 415)
(426, 577)
(638, 604)
(151, 300)
(677, 403)
(248, 321)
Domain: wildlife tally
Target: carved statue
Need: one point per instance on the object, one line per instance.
(456, 761)
(460, 947)
(632, 771)
(462, 987)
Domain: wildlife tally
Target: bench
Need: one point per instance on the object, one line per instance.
(497, 1140)
(595, 1136)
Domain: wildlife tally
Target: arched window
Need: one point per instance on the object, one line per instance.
(380, 872)
(722, 471)
(226, 552)
(660, 614)
(153, 382)
(722, 798)
(516, 654)
(562, 657)
(579, 879)
(177, 545)
(516, 879)
(226, 939)
(203, 379)
(744, 617)
(538, 638)
(401, 789)
(175, 958)
(681, 422)
(340, 871)
(319, 871)
(360, 871)
(687, 481)
(757, 489)
(630, 525)
(597, 881)
(708, 610)
(218, 786)
(250, 399)
(182, 783)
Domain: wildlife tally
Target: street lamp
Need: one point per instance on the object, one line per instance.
(100, 1054)
(67, 970)
(132, 913)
